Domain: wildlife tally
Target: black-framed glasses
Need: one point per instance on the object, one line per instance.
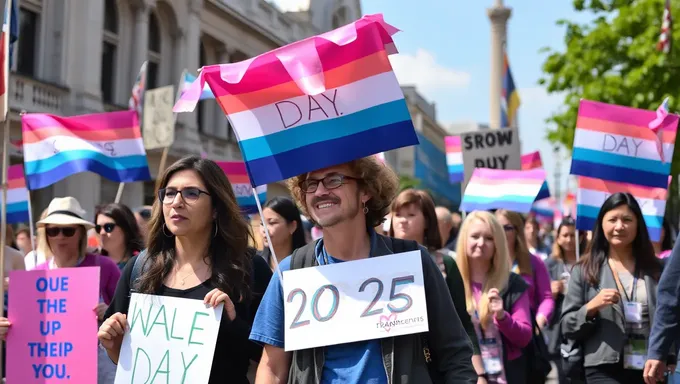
(329, 182)
(108, 227)
(189, 195)
(55, 231)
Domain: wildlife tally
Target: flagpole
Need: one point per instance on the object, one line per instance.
(3, 216)
(119, 194)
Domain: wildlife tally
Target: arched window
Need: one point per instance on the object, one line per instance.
(201, 106)
(109, 50)
(154, 52)
(339, 18)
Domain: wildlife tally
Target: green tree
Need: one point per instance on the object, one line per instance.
(406, 182)
(613, 58)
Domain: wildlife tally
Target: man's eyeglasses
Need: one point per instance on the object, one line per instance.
(189, 195)
(108, 227)
(54, 231)
(329, 182)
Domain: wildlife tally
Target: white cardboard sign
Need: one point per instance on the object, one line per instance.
(490, 148)
(169, 340)
(158, 125)
(352, 301)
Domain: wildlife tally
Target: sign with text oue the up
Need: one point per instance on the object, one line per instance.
(170, 340)
(54, 327)
(353, 301)
(494, 149)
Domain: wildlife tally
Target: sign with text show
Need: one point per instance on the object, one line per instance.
(490, 148)
(353, 301)
(169, 340)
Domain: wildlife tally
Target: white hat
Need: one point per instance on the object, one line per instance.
(65, 211)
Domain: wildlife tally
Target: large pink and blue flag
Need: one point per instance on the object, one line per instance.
(318, 102)
(109, 144)
(615, 143)
(17, 196)
(533, 161)
(502, 189)
(238, 177)
(454, 159)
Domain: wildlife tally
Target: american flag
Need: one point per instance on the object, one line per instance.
(665, 39)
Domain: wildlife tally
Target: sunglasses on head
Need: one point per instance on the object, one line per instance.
(55, 231)
(108, 227)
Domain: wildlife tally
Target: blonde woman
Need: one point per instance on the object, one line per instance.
(495, 297)
(41, 253)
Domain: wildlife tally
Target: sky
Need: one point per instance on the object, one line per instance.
(445, 51)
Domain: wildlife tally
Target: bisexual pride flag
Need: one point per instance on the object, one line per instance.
(109, 144)
(592, 193)
(616, 143)
(318, 102)
(17, 196)
(533, 161)
(502, 189)
(454, 159)
(238, 177)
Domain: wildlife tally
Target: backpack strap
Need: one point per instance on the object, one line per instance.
(137, 269)
(304, 257)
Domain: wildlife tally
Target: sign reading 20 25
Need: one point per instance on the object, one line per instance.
(352, 301)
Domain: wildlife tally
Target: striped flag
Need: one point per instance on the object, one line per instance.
(544, 210)
(331, 98)
(502, 189)
(189, 79)
(666, 36)
(17, 195)
(510, 99)
(454, 159)
(10, 34)
(533, 161)
(109, 144)
(238, 177)
(136, 101)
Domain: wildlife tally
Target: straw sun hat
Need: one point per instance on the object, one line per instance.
(65, 211)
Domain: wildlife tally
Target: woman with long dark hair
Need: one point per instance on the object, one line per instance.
(197, 249)
(611, 296)
(117, 228)
(283, 221)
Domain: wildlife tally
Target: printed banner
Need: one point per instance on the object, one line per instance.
(170, 340)
(53, 338)
(357, 300)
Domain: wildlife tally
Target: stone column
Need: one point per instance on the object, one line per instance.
(498, 15)
(190, 52)
(140, 46)
(221, 127)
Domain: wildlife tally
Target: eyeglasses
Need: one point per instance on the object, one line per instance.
(329, 182)
(189, 195)
(108, 227)
(55, 231)
(508, 228)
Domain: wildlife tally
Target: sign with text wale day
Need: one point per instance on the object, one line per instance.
(158, 124)
(493, 149)
(170, 340)
(353, 301)
(54, 328)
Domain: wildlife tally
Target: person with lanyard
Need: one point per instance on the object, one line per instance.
(611, 297)
(348, 201)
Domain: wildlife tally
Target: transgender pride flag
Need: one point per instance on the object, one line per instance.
(17, 196)
(502, 189)
(189, 79)
(238, 177)
(454, 159)
(319, 102)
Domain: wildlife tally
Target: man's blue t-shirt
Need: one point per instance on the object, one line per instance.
(359, 362)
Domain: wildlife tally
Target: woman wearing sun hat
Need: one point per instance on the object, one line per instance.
(65, 237)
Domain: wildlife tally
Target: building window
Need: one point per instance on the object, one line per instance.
(110, 46)
(154, 53)
(201, 109)
(29, 22)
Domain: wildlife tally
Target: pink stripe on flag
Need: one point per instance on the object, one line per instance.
(233, 167)
(624, 115)
(532, 160)
(15, 172)
(531, 176)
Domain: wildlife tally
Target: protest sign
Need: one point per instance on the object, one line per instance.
(169, 340)
(54, 327)
(359, 300)
(159, 120)
(494, 149)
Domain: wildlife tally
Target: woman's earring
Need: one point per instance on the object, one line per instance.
(365, 209)
(215, 234)
(165, 233)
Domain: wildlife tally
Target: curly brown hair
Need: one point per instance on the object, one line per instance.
(375, 178)
(229, 255)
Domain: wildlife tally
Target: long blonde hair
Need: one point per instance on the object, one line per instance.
(499, 268)
(522, 255)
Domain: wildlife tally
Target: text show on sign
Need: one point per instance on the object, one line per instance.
(359, 300)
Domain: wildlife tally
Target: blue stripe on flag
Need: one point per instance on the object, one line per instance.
(332, 152)
(469, 206)
(325, 130)
(619, 174)
(17, 212)
(114, 163)
(53, 175)
(544, 193)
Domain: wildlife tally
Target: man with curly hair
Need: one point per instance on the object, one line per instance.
(348, 201)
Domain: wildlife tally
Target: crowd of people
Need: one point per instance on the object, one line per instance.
(508, 298)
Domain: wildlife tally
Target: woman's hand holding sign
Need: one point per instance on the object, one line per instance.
(496, 304)
(111, 333)
(215, 297)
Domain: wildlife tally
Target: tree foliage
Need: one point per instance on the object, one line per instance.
(406, 182)
(612, 59)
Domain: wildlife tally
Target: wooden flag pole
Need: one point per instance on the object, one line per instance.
(119, 194)
(161, 166)
(3, 217)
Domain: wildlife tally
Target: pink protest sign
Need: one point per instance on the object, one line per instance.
(53, 337)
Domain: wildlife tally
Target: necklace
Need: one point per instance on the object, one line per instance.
(182, 280)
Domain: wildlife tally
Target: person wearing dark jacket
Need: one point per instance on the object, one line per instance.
(348, 201)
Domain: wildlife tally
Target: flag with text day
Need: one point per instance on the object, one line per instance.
(616, 143)
(318, 102)
(243, 189)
